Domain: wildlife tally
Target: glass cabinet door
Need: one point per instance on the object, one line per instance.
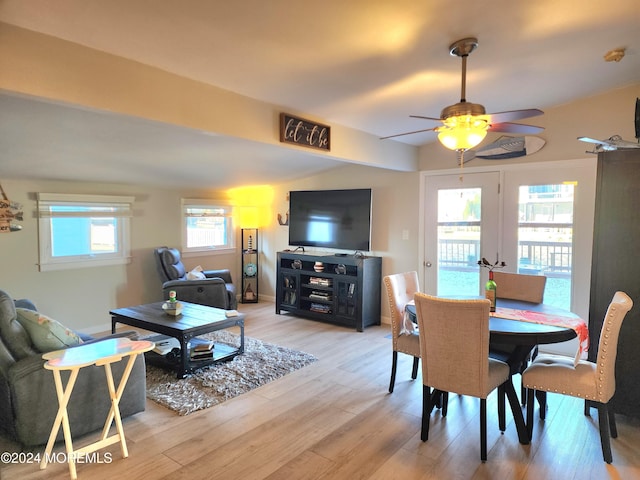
(346, 293)
(289, 290)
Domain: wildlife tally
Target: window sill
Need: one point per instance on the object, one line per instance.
(50, 267)
(208, 252)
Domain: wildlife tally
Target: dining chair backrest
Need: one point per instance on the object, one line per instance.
(516, 286)
(608, 345)
(401, 287)
(454, 344)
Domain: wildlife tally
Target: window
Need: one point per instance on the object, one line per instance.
(207, 227)
(77, 231)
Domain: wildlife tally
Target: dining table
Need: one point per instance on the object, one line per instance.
(516, 328)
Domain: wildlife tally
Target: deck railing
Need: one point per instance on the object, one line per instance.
(549, 258)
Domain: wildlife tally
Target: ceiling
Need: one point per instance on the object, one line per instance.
(364, 64)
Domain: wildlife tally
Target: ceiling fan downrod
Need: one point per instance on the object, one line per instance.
(462, 48)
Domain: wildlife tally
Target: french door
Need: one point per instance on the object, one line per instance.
(461, 226)
(537, 218)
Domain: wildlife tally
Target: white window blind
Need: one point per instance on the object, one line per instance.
(77, 231)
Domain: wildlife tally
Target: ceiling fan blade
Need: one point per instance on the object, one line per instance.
(515, 128)
(513, 115)
(408, 133)
(426, 118)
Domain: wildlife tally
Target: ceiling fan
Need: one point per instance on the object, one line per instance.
(465, 124)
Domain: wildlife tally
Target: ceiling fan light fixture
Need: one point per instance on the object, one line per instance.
(462, 132)
(465, 124)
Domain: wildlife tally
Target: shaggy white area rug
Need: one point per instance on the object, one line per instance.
(259, 364)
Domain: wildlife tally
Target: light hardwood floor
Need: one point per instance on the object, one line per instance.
(336, 420)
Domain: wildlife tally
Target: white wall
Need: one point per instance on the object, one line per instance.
(82, 298)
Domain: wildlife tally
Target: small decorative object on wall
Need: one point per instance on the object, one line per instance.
(9, 211)
(283, 222)
(507, 147)
(304, 132)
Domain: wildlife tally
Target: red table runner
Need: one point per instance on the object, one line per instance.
(576, 323)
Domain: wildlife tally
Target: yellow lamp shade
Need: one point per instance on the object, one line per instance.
(462, 132)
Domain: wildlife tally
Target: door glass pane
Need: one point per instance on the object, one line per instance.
(459, 221)
(545, 238)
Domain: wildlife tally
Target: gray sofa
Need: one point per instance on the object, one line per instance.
(28, 400)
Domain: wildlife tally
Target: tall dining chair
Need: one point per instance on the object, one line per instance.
(401, 288)
(517, 286)
(594, 382)
(454, 344)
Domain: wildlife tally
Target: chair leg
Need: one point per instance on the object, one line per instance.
(530, 401)
(394, 365)
(426, 412)
(613, 429)
(603, 422)
(483, 429)
(502, 422)
(445, 402)
(523, 367)
(542, 400)
(587, 408)
(414, 372)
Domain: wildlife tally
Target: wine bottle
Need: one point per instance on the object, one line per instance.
(490, 291)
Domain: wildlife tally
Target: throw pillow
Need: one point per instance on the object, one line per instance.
(196, 274)
(46, 333)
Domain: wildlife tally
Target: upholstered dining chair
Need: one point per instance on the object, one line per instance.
(401, 288)
(454, 344)
(517, 286)
(594, 382)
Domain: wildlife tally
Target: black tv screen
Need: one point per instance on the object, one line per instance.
(339, 219)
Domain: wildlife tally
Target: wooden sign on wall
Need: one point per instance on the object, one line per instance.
(304, 133)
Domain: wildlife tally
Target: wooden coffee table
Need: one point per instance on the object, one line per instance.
(195, 320)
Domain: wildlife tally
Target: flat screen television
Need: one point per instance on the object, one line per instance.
(337, 219)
